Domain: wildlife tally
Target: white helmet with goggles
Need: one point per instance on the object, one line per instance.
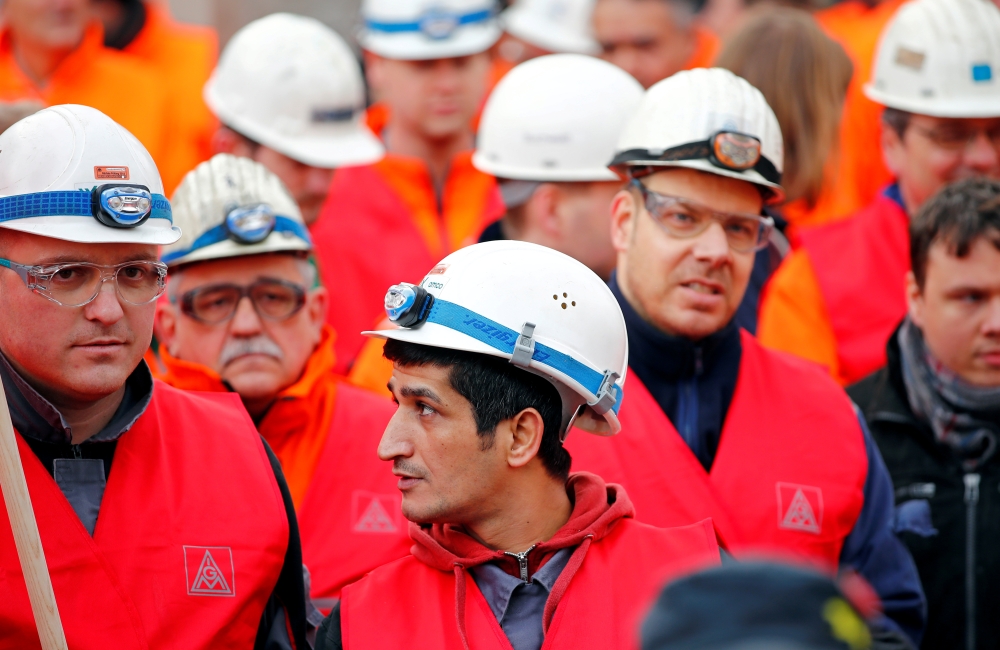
(709, 120)
(71, 172)
(413, 30)
(231, 206)
(543, 310)
(940, 58)
(293, 85)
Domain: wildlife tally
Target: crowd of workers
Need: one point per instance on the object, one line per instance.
(482, 340)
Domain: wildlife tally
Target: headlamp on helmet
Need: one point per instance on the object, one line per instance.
(122, 206)
(250, 224)
(407, 305)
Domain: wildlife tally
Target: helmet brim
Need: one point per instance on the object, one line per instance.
(776, 194)
(966, 107)
(87, 230)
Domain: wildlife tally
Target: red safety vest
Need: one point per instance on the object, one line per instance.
(351, 519)
(861, 267)
(788, 476)
(408, 604)
(190, 539)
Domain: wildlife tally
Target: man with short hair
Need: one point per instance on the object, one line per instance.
(652, 39)
(246, 314)
(837, 299)
(428, 67)
(289, 94)
(498, 351)
(192, 537)
(716, 422)
(934, 411)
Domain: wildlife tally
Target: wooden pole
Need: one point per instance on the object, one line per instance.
(26, 538)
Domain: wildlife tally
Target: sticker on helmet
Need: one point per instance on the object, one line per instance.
(981, 72)
(110, 173)
(909, 58)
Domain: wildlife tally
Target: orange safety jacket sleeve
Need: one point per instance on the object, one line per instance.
(793, 315)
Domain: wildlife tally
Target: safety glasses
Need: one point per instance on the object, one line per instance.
(684, 219)
(75, 284)
(272, 299)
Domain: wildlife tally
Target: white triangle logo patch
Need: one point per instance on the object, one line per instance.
(800, 507)
(375, 520)
(209, 578)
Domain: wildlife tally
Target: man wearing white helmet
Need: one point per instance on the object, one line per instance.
(498, 351)
(245, 314)
(289, 94)
(192, 537)
(535, 28)
(428, 65)
(767, 445)
(838, 298)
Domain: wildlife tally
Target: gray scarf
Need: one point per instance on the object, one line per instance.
(964, 417)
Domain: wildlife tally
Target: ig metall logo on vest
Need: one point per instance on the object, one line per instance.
(209, 571)
(800, 507)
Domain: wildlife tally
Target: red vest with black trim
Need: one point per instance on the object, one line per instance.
(861, 264)
(351, 519)
(190, 539)
(788, 476)
(408, 604)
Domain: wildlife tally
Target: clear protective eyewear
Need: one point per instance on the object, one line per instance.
(75, 284)
(684, 219)
(272, 299)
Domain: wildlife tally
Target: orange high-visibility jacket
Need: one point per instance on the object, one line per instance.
(325, 433)
(183, 57)
(125, 89)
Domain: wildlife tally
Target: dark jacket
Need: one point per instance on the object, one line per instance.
(949, 519)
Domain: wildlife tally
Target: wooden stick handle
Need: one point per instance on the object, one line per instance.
(26, 538)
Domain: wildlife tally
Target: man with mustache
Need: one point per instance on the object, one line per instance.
(838, 298)
(163, 517)
(245, 313)
(768, 446)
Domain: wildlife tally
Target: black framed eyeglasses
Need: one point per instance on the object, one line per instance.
(272, 299)
(683, 218)
(75, 284)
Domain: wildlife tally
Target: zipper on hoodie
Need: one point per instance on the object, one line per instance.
(522, 561)
(688, 411)
(971, 506)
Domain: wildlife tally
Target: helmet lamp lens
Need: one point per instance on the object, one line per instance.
(735, 151)
(123, 206)
(250, 224)
(399, 300)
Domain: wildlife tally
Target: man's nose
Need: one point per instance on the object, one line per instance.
(105, 308)
(395, 442)
(245, 322)
(991, 325)
(317, 181)
(983, 156)
(712, 246)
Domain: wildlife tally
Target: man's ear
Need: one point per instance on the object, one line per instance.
(374, 71)
(525, 437)
(893, 149)
(316, 302)
(914, 300)
(623, 219)
(165, 324)
(542, 223)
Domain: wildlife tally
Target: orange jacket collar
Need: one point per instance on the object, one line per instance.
(90, 46)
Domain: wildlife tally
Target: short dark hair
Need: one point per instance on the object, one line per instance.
(956, 216)
(497, 391)
(896, 119)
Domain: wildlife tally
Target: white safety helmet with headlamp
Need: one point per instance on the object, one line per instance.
(940, 58)
(556, 118)
(543, 310)
(706, 119)
(292, 84)
(413, 30)
(231, 206)
(70, 172)
(553, 25)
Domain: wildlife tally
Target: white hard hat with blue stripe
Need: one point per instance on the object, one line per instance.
(543, 310)
(413, 30)
(232, 206)
(70, 172)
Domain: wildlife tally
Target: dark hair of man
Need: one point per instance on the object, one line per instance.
(897, 120)
(497, 391)
(956, 216)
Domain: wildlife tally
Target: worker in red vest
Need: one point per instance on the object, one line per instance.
(289, 94)
(245, 313)
(428, 68)
(497, 352)
(165, 519)
(764, 443)
(837, 300)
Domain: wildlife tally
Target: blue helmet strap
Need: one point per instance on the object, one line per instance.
(67, 203)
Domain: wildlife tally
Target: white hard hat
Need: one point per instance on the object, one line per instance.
(292, 84)
(940, 58)
(543, 310)
(553, 25)
(710, 120)
(556, 118)
(71, 172)
(231, 206)
(413, 30)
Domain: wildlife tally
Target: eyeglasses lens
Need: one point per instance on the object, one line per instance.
(216, 304)
(74, 285)
(275, 301)
(139, 283)
(271, 299)
(743, 233)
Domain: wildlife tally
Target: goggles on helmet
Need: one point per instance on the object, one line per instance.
(114, 205)
(436, 24)
(725, 149)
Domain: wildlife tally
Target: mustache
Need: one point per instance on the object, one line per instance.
(239, 347)
(408, 468)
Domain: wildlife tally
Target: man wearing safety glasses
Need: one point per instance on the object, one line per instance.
(769, 447)
(192, 536)
(246, 314)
